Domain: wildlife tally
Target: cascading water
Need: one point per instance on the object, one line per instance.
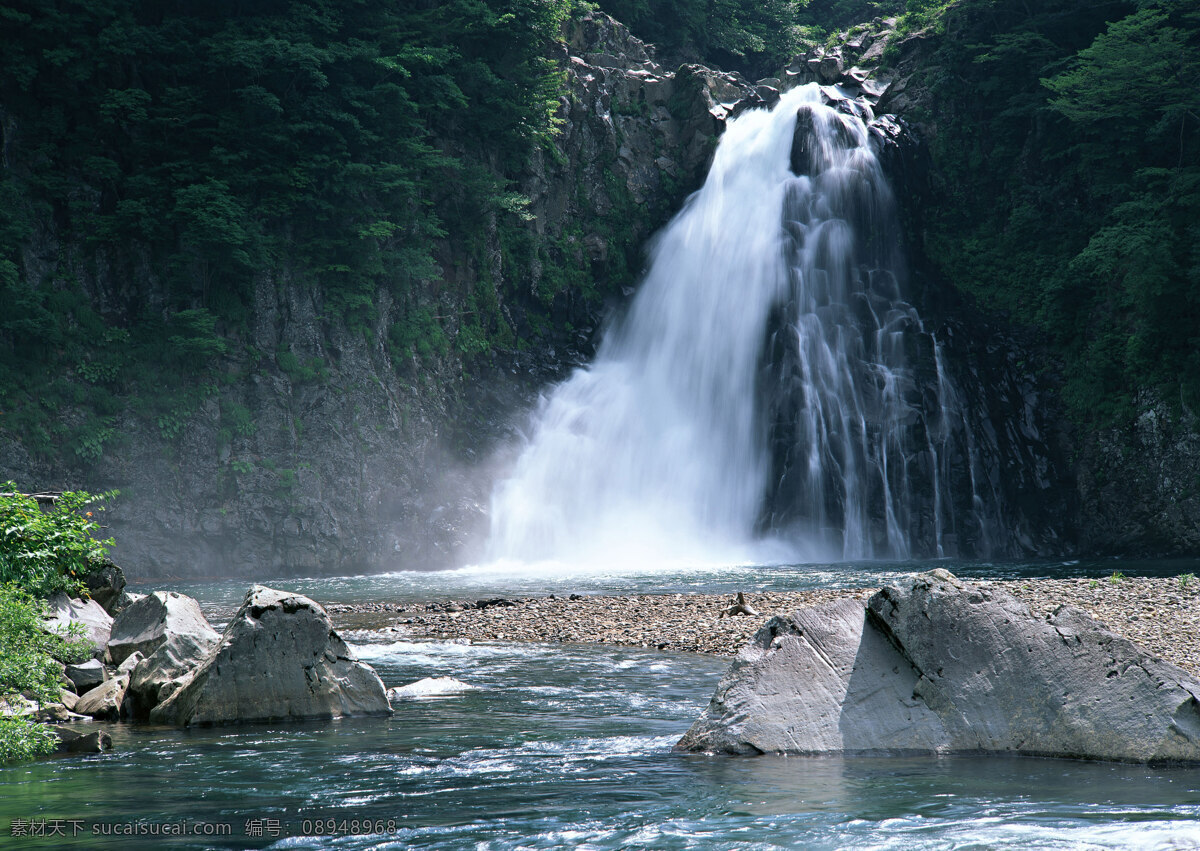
(763, 385)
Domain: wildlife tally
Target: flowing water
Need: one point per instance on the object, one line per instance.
(771, 393)
(569, 747)
(761, 397)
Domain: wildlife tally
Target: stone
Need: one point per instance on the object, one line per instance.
(146, 624)
(830, 68)
(105, 583)
(105, 700)
(68, 698)
(160, 674)
(54, 713)
(935, 665)
(62, 611)
(74, 741)
(817, 681)
(278, 659)
(767, 95)
(128, 598)
(130, 663)
(86, 675)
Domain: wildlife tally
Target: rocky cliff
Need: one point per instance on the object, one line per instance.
(317, 453)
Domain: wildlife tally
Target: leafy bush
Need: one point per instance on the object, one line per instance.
(47, 551)
(27, 664)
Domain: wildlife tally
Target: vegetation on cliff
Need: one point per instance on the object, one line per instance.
(1067, 148)
(178, 154)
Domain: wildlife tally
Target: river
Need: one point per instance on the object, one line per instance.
(570, 747)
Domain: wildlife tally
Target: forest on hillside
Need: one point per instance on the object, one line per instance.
(346, 142)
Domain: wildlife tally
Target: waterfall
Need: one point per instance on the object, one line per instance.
(769, 386)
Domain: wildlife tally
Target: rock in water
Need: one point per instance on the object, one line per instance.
(73, 741)
(105, 700)
(278, 659)
(156, 619)
(938, 665)
(175, 637)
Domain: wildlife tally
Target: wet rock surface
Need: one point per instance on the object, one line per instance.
(158, 619)
(279, 658)
(933, 664)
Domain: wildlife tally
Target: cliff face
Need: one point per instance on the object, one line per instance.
(1130, 487)
(318, 453)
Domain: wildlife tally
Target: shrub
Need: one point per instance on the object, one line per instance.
(47, 551)
(27, 664)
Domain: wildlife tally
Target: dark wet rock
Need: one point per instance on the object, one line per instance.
(938, 665)
(157, 618)
(85, 676)
(131, 662)
(830, 68)
(279, 658)
(105, 583)
(77, 742)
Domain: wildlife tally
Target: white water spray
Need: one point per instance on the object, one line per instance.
(758, 386)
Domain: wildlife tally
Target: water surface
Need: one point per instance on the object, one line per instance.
(570, 747)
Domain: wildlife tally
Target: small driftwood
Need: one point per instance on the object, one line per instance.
(739, 607)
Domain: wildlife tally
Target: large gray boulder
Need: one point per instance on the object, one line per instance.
(159, 675)
(86, 675)
(279, 658)
(935, 665)
(146, 624)
(105, 700)
(62, 611)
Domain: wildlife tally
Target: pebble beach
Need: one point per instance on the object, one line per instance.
(1161, 614)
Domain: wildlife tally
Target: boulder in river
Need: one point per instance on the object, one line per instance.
(62, 611)
(279, 658)
(156, 619)
(86, 675)
(935, 665)
(74, 741)
(105, 700)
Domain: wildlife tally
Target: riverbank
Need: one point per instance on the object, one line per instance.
(1161, 614)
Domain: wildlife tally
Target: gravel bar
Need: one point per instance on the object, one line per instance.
(1163, 615)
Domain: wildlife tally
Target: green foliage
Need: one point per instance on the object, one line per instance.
(312, 369)
(27, 664)
(47, 551)
(1185, 579)
(212, 146)
(420, 332)
(751, 37)
(1069, 145)
(22, 739)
